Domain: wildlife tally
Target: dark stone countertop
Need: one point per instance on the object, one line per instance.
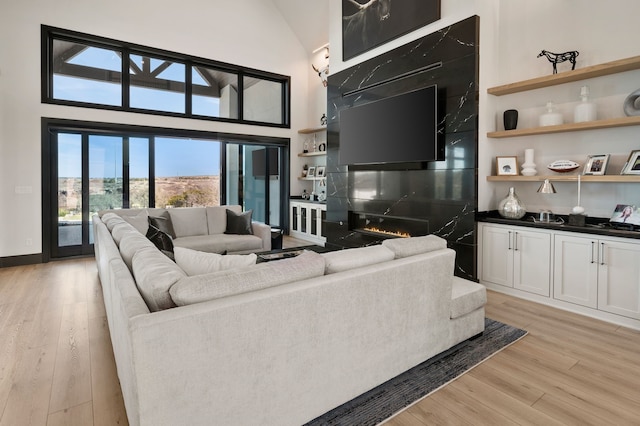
(593, 225)
(299, 199)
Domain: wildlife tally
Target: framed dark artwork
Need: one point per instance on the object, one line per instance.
(370, 23)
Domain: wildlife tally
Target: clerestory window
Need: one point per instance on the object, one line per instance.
(95, 72)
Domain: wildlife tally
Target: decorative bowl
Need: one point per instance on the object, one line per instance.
(563, 166)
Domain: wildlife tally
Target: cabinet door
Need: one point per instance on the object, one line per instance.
(305, 224)
(294, 217)
(532, 261)
(497, 255)
(575, 271)
(619, 278)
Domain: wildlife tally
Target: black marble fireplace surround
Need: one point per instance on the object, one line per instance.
(439, 195)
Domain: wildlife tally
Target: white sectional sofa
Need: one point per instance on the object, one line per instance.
(276, 343)
(199, 228)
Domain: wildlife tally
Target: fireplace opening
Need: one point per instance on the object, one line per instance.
(387, 226)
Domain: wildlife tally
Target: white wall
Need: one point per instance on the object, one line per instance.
(512, 33)
(601, 32)
(249, 33)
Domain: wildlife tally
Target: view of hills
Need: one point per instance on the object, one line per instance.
(106, 193)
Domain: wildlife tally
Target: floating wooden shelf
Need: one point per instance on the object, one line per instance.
(571, 127)
(311, 130)
(312, 154)
(567, 178)
(613, 67)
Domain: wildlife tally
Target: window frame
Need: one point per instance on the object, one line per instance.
(49, 34)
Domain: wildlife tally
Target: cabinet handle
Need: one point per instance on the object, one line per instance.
(509, 240)
(592, 243)
(602, 253)
(515, 241)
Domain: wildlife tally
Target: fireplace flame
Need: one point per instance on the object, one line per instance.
(382, 231)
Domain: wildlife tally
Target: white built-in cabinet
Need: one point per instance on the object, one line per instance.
(599, 273)
(305, 221)
(519, 258)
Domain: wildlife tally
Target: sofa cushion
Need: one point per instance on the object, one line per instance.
(112, 221)
(139, 221)
(239, 223)
(343, 260)
(220, 243)
(201, 288)
(195, 262)
(120, 229)
(155, 273)
(466, 297)
(217, 218)
(405, 247)
(189, 221)
(107, 216)
(132, 242)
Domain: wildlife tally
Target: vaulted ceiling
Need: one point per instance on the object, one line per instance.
(309, 20)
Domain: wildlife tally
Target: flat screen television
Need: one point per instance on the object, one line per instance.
(259, 160)
(398, 129)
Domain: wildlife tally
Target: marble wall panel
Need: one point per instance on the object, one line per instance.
(442, 192)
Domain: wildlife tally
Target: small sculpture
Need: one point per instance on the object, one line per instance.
(556, 58)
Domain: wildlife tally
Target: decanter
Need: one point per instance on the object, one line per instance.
(511, 207)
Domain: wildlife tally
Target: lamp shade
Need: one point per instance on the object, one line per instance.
(547, 187)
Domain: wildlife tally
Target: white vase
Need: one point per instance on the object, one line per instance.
(585, 110)
(528, 167)
(551, 117)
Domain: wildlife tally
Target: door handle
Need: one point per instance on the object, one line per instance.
(592, 243)
(515, 241)
(509, 240)
(601, 253)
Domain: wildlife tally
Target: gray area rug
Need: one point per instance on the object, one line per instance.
(384, 401)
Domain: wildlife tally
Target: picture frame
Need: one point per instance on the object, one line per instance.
(596, 165)
(632, 167)
(370, 23)
(626, 215)
(507, 166)
(320, 171)
(311, 172)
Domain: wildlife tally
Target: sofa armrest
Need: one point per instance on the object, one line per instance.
(263, 231)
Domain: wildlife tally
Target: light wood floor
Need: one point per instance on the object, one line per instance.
(57, 366)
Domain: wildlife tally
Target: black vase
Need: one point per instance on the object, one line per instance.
(510, 119)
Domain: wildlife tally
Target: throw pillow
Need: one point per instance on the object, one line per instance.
(160, 239)
(344, 260)
(244, 280)
(195, 262)
(163, 223)
(239, 223)
(405, 247)
(139, 221)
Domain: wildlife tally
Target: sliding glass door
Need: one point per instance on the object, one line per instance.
(254, 180)
(91, 170)
(89, 177)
